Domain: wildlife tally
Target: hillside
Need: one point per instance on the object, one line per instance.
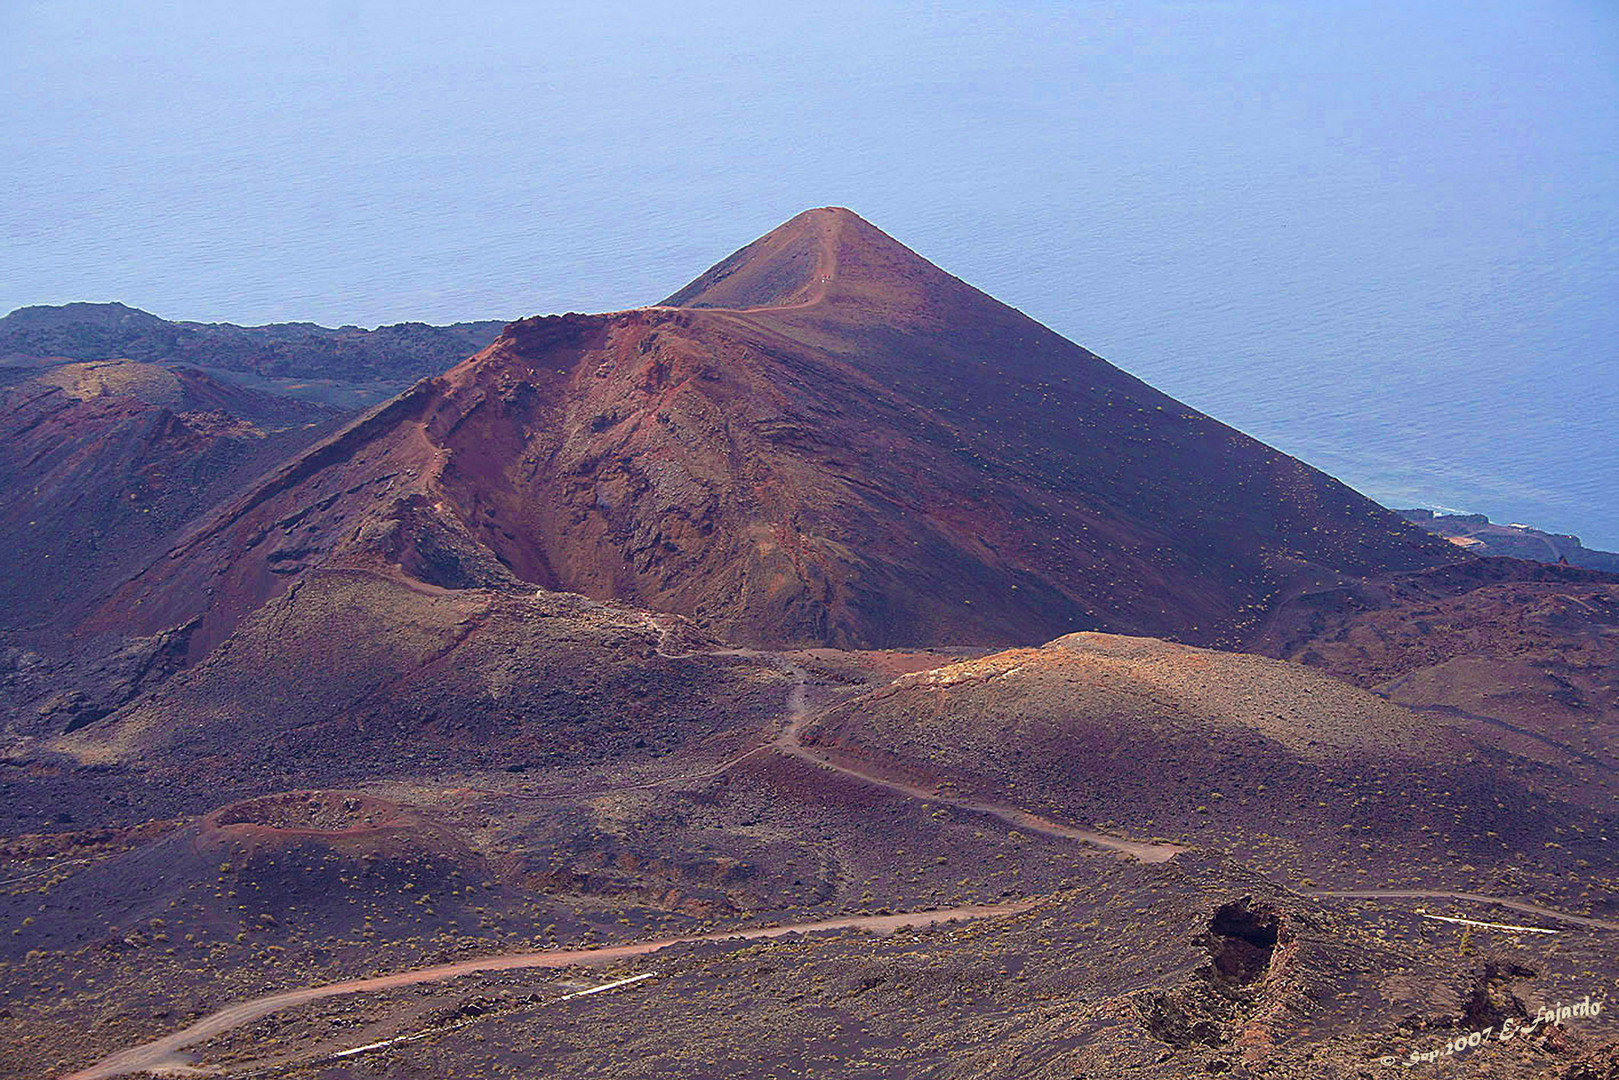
(399, 354)
(1526, 649)
(1149, 738)
(807, 674)
(860, 451)
(104, 463)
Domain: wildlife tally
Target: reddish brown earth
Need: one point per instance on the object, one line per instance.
(485, 675)
(353, 675)
(830, 441)
(1182, 967)
(104, 463)
(1524, 652)
(1147, 738)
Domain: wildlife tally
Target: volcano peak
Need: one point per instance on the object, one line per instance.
(789, 266)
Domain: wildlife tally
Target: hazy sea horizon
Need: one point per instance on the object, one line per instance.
(1379, 239)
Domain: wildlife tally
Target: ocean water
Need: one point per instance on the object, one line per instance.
(1380, 236)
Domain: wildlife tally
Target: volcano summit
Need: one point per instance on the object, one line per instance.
(823, 440)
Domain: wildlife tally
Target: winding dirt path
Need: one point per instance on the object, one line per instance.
(788, 742)
(162, 1052)
(1477, 898)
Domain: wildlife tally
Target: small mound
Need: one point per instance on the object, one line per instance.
(311, 812)
(330, 821)
(1158, 740)
(295, 870)
(150, 383)
(1146, 683)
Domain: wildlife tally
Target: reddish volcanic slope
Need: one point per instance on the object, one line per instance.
(824, 439)
(104, 463)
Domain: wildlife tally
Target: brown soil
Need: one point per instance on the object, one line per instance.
(313, 813)
(1148, 738)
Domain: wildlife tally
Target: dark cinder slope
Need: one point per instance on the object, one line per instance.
(356, 675)
(399, 353)
(1295, 770)
(785, 266)
(103, 464)
(833, 442)
(1525, 648)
